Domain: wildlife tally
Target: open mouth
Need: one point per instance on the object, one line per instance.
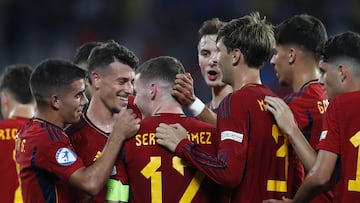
(212, 75)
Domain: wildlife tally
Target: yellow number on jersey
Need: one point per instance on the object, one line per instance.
(354, 185)
(279, 185)
(150, 171)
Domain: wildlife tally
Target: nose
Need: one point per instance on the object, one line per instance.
(84, 99)
(215, 57)
(129, 88)
(272, 60)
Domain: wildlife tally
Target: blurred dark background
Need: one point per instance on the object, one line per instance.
(31, 31)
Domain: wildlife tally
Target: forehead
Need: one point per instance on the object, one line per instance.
(207, 41)
(220, 44)
(138, 84)
(117, 68)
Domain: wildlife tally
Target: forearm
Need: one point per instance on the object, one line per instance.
(220, 171)
(94, 177)
(207, 116)
(303, 149)
(308, 190)
(201, 112)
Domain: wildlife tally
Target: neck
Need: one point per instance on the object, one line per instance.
(218, 93)
(167, 106)
(22, 110)
(244, 76)
(50, 116)
(304, 75)
(100, 115)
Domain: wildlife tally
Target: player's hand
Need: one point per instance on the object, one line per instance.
(282, 114)
(183, 89)
(284, 199)
(126, 124)
(170, 136)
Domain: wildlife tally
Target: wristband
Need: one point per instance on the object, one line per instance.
(116, 191)
(196, 107)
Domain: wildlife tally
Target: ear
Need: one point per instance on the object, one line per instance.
(55, 102)
(237, 56)
(292, 55)
(153, 91)
(95, 79)
(344, 72)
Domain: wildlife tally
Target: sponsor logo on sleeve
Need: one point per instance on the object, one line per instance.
(323, 135)
(65, 156)
(231, 135)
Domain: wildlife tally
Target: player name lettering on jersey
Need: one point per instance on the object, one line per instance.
(200, 137)
(145, 139)
(8, 133)
(262, 105)
(322, 105)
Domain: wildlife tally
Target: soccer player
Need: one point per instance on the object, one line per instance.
(209, 67)
(17, 106)
(49, 167)
(253, 157)
(296, 62)
(111, 70)
(338, 158)
(154, 173)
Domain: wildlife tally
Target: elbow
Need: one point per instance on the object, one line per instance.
(92, 188)
(320, 179)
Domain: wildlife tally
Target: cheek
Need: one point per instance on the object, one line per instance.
(202, 63)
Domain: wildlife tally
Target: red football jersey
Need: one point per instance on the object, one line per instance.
(132, 106)
(341, 135)
(46, 160)
(308, 106)
(9, 179)
(253, 156)
(157, 175)
(88, 142)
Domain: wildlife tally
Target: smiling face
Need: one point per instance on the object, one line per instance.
(280, 61)
(115, 85)
(207, 61)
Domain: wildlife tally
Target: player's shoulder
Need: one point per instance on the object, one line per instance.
(76, 127)
(195, 123)
(12, 123)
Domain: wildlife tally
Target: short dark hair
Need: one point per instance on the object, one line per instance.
(15, 79)
(210, 27)
(164, 68)
(83, 52)
(304, 30)
(53, 76)
(252, 35)
(345, 45)
(101, 56)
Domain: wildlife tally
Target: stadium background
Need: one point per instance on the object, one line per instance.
(34, 30)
